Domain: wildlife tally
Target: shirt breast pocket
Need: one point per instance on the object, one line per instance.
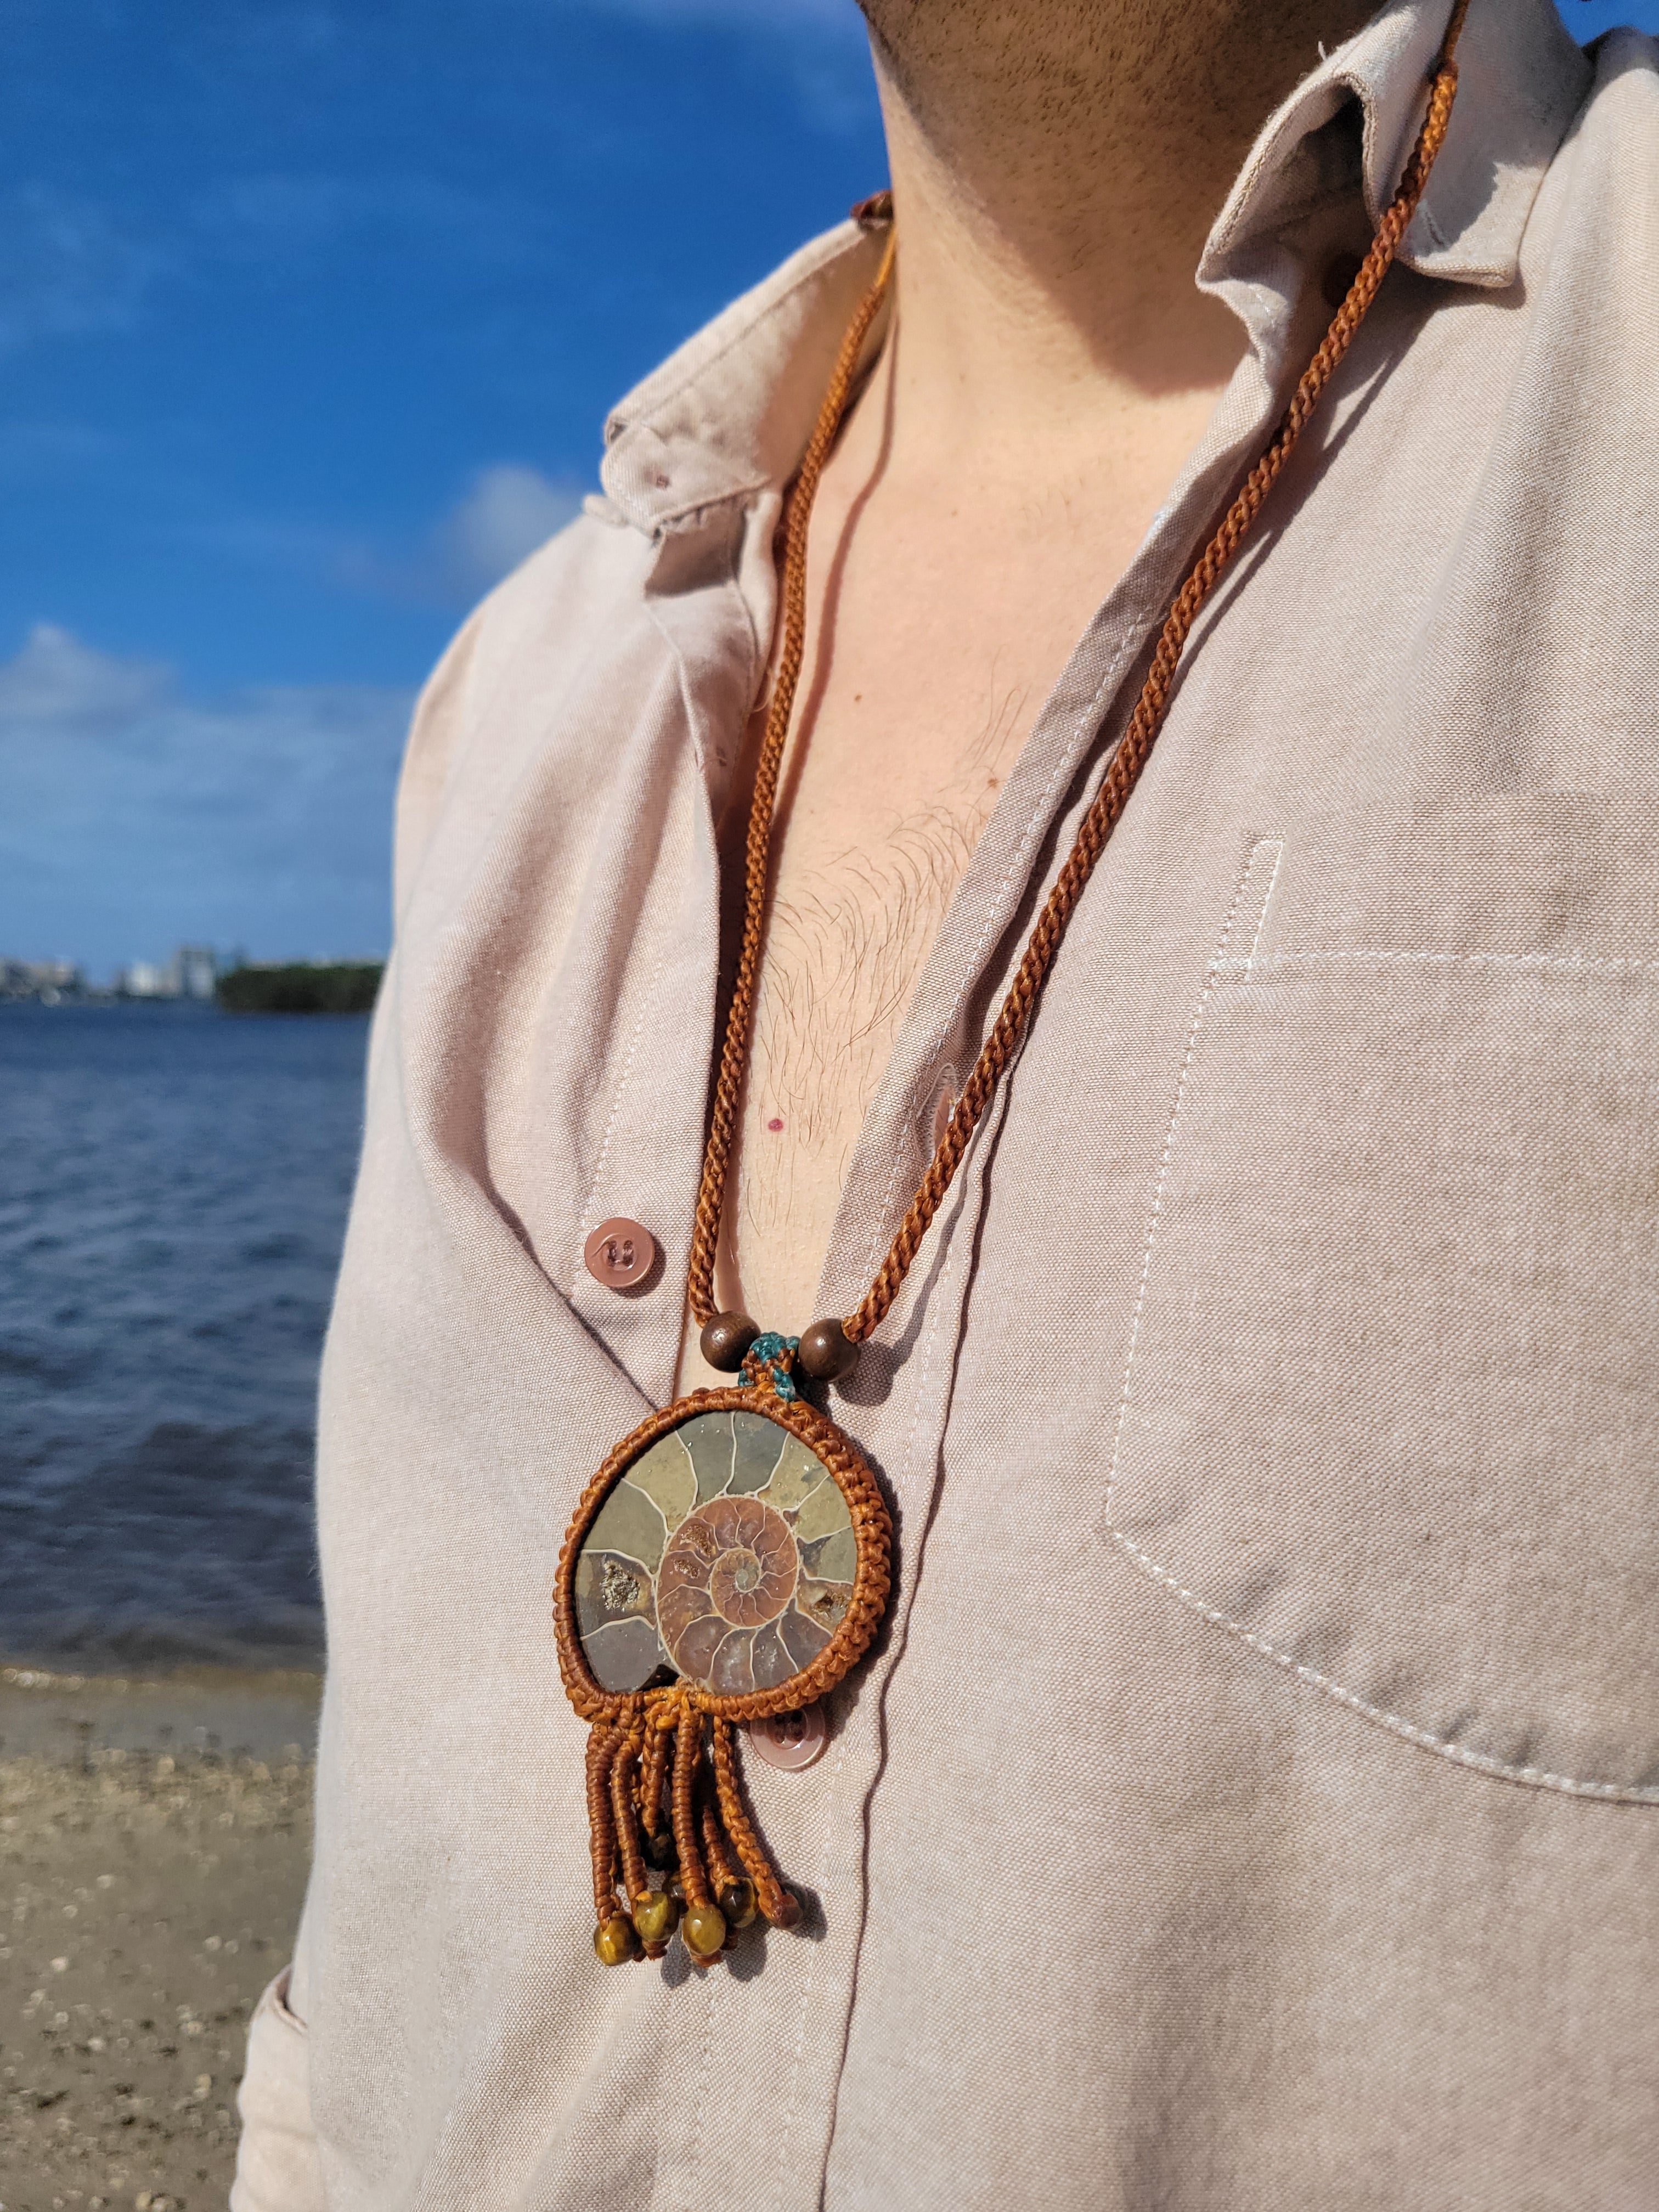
(1390, 1414)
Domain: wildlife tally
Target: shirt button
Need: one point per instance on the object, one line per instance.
(790, 1741)
(619, 1254)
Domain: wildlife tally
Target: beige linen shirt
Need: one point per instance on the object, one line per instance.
(1253, 1801)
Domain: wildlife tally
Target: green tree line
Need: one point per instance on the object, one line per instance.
(339, 986)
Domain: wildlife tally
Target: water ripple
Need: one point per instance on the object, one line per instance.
(173, 1187)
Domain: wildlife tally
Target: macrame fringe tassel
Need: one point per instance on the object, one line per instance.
(715, 1873)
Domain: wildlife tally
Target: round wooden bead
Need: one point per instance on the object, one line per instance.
(726, 1340)
(704, 1929)
(788, 1911)
(615, 1941)
(825, 1351)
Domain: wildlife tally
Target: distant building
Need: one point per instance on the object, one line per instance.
(142, 979)
(194, 971)
(49, 981)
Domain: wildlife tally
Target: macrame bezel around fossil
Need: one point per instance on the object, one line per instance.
(871, 1577)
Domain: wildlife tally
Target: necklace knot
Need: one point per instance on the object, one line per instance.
(769, 1364)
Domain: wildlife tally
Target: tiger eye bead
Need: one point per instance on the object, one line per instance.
(654, 1915)
(726, 1340)
(704, 1930)
(826, 1352)
(738, 1904)
(660, 1853)
(615, 1941)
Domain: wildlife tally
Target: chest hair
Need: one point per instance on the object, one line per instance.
(843, 953)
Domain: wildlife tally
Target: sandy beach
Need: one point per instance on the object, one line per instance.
(154, 1836)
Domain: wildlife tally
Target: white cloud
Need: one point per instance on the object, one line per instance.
(68, 264)
(505, 513)
(56, 683)
(138, 816)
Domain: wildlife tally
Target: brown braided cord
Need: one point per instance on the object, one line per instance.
(624, 1816)
(688, 1755)
(775, 1902)
(1131, 753)
(734, 1051)
(1122, 772)
(602, 1740)
(653, 1767)
(716, 1852)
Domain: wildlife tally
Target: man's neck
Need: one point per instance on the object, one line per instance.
(1057, 165)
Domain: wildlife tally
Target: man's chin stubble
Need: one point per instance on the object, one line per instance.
(979, 75)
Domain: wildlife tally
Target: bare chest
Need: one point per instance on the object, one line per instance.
(859, 896)
(895, 764)
(898, 767)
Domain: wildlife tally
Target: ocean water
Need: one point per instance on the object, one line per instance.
(174, 1185)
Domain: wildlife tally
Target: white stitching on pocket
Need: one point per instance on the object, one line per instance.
(1573, 963)
(1258, 859)
(1277, 848)
(1249, 969)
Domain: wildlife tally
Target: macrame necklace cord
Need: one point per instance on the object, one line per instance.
(730, 1560)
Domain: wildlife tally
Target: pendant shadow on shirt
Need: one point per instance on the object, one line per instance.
(881, 1363)
(748, 1955)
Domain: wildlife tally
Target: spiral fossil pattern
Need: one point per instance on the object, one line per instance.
(725, 1554)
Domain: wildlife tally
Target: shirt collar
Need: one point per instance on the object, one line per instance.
(729, 414)
(1520, 80)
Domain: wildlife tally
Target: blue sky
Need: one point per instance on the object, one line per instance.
(310, 313)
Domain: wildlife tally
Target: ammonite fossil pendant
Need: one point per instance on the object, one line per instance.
(728, 1562)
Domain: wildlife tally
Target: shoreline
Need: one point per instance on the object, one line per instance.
(155, 1836)
(239, 1712)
